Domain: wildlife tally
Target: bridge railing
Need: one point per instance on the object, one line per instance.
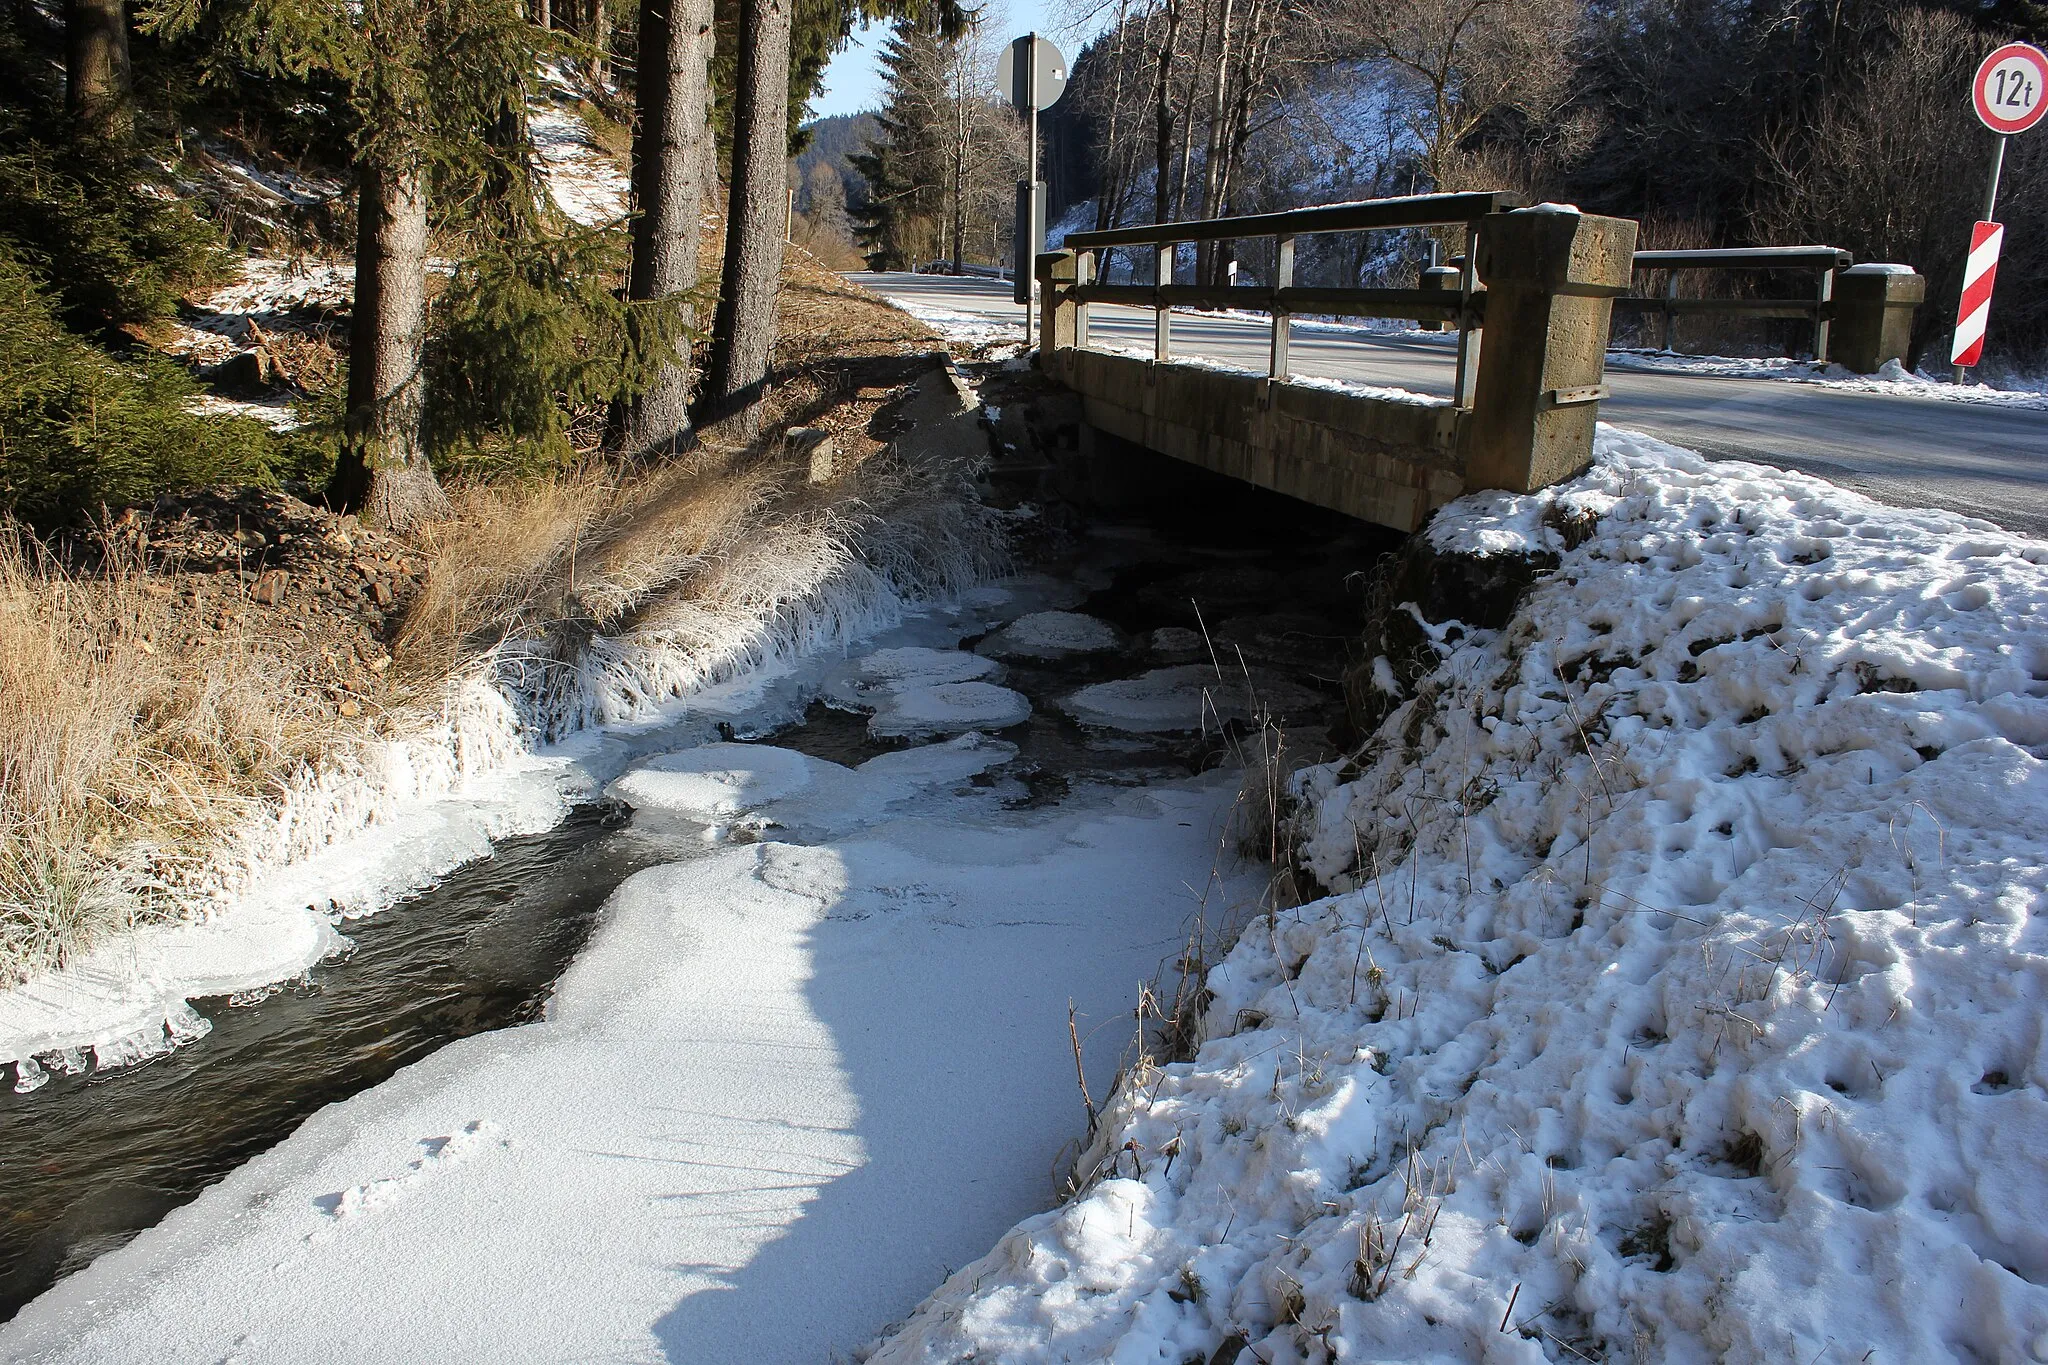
(1536, 285)
(1462, 305)
(1825, 261)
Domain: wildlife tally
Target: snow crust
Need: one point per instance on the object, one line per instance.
(1679, 998)
(785, 1088)
(586, 182)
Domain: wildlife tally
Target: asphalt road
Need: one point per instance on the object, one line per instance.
(1977, 459)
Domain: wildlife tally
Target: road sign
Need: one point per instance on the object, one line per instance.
(1975, 310)
(2011, 89)
(1032, 74)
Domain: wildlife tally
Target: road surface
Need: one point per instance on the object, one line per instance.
(1977, 459)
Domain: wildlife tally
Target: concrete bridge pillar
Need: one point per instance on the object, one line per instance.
(1551, 277)
(1874, 307)
(1062, 320)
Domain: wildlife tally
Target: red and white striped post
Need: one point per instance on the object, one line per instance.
(1975, 309)
(2010, 95)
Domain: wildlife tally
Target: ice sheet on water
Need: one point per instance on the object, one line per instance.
(915, 690)
(716, 783)
(948, 709)
(1184, 697)
(756, 1121)
(1051, 635)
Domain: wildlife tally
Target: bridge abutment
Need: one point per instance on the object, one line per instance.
(1551, 278)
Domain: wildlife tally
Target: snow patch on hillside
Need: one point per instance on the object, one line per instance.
(586, 182)
(1680, 994)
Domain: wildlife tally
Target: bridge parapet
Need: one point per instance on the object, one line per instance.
(1527, 399)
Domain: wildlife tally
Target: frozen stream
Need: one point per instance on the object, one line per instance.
(1087, 777)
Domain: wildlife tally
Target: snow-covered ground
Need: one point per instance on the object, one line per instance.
(804, 1068)
(1681, 994)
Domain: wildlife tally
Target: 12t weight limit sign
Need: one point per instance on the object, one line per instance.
(2010, 94)
(2012, 89)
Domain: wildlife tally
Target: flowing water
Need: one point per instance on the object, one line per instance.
(89, 1160)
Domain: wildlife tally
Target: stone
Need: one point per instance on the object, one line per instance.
(380, 592)
(270, 588)
(812, 445)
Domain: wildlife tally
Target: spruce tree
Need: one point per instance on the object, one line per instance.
(904, 166)
(97, 89)
(429, 82)
(743, 333)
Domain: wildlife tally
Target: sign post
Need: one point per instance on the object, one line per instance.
(1031, 76)
(2010, 95)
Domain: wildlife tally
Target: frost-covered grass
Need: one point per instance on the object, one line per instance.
(1679, 994)
(114, 757)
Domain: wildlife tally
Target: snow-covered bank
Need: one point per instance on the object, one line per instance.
(1681, 997)
(798, 1074)
(472, 764)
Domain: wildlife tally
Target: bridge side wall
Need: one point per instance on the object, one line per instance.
(1380, 460)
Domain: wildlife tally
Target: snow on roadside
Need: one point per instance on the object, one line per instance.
(966, 328)
(1681, 994)
(1894, 379)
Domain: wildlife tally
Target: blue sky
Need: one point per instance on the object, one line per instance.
(853, 81)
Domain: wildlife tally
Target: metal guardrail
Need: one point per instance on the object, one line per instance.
(1827, 260)
(1464, 306)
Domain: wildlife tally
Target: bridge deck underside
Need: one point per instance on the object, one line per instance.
(1388, 461)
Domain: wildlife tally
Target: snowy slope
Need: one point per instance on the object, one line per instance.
(1681, 998)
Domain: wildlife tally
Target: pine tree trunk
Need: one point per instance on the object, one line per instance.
(669, 176)
(743, 334)
(600, 41)
(98, 92)
(383, 471)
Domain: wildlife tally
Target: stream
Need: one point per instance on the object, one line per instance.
(90, 1160)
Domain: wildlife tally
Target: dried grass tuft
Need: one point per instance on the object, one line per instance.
(116, 761)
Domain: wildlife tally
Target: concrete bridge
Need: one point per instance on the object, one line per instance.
(1531, 299)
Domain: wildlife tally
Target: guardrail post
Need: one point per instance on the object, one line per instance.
(1437, 279)
(1162, 316)
(1058, 273)
(1825, 295)
(1874, 307)
(1283, 278)
(1551, 279)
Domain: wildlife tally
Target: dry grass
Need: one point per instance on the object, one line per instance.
(117, 762)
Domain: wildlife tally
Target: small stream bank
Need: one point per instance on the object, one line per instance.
(1241, 583)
